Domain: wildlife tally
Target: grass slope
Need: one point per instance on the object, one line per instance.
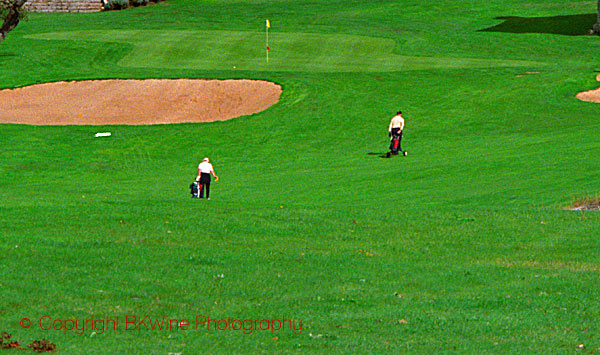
(308, 222)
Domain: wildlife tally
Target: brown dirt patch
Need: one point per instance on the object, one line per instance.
(587, 207)
(591, 95)
(136, 102)
(589, 203)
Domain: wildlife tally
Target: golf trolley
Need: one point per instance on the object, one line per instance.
(195, 189)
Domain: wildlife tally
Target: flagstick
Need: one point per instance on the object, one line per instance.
(267, 44)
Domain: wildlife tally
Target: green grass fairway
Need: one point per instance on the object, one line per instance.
(225, 50)
(462, 247)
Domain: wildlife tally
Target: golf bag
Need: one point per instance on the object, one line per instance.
(195, 189)
(395, 142)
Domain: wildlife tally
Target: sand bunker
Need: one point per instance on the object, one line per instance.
(592, 95)
(135, 102)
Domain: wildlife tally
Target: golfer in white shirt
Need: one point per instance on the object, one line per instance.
(205, 169)
(395, 130)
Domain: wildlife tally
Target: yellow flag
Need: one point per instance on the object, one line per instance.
(268, 24)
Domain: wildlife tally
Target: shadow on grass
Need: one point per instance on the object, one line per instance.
(571, 25)
(8, 54)
(381, 155)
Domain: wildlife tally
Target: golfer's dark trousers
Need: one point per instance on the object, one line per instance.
(205, 181)
(396, 132)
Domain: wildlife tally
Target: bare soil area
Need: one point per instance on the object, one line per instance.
(136, 102)
(591, 95)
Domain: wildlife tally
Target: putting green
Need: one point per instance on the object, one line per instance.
(224, 50)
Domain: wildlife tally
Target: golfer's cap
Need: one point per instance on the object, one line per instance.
(205, 159)
(399, 113)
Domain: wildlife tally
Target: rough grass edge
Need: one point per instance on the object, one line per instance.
(108, 5)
